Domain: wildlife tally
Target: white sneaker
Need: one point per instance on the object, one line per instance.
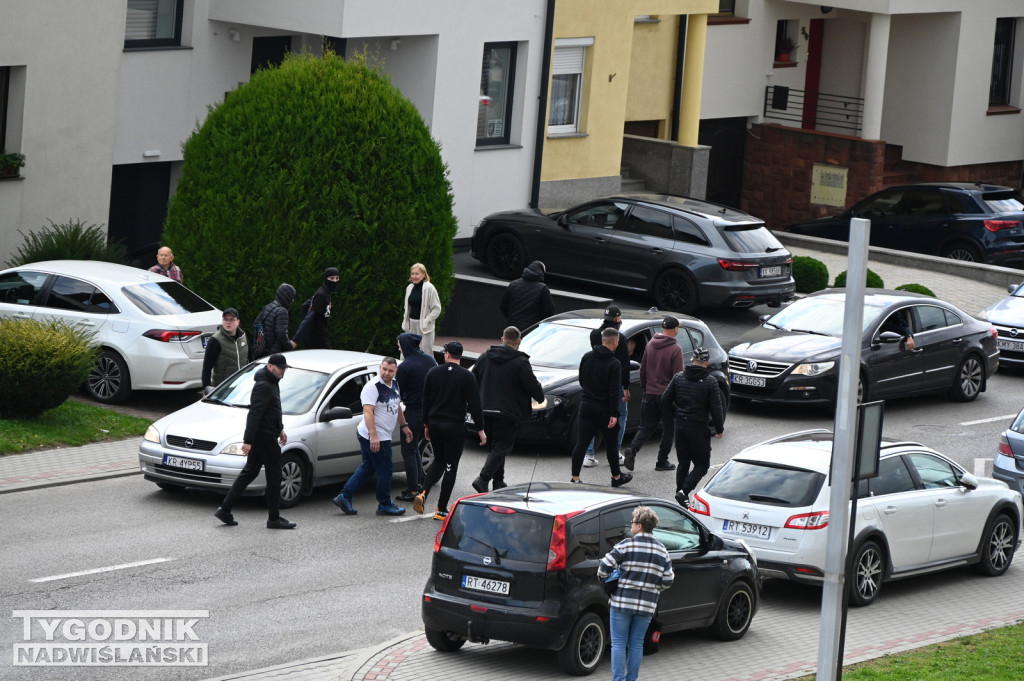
(622, 458)
(589, 461)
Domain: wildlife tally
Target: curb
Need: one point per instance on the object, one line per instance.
(8, 489)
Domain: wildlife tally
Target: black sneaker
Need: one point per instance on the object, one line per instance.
(683, 499)
(622, 479)
(279, 523)
(498, 484)
(480, 485)
(664, 466)
(576, 482)
(630, 458)
(225, 516)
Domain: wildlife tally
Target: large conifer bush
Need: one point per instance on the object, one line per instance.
(320, 162)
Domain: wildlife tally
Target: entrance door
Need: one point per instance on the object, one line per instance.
(727, 138)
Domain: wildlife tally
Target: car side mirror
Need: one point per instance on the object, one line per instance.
(763, 318)
(969, 481)
(335, 413)
(715, 543)
(1012, 288)
(634, 365)
(889, 337)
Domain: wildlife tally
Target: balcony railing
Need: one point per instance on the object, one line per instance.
(813, 110)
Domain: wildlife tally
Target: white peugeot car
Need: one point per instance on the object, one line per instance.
(152, 331)
(922, 513)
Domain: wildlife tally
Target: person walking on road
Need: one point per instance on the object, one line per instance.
(695, 399)
(227, 351)
(663, 359)
(449, 392)
(527, 300)
(507, 384)
(382, 408)
(599, 405)
(422, 307)
(264, 436)
(613, 319)
(273, 320)
(412, 372)
(312, 332)
(645, 570)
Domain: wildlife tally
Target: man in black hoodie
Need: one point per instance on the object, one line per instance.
(411, 374)
(613, 320)
(273, 319)
(599, 405)
(693, 394)
(527, 300)
(312, 332)
(506, 384)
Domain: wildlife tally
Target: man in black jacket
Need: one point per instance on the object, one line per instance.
(312, 331)
(695, 398)
(263, 439)
(448, 393)
(507, 384)
(599, 405)
(274, 318)
(527, 300)
(411, 374)
(613, 320)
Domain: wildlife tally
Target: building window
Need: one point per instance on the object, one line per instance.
(153, 23)
(567, 84)
(1002, 63)
(497, 76)
(785, 40)
(726, 7)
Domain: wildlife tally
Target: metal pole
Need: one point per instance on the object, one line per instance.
(832, 611)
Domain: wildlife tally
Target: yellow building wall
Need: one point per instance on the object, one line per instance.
(652, 72)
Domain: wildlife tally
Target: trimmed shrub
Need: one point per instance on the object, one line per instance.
(44, 362)
(873, 280)
(319, 162)
(809, 274)
(916, 288)
(72, 240)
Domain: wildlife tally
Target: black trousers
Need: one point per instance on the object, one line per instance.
(265, 453)
(447, 440)
(651, 414)
(593, 420)
(411, 450)
(501, 436)
(693, 446)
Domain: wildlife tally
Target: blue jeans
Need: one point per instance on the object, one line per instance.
(623, 413)
(378, 462)
(627, 631)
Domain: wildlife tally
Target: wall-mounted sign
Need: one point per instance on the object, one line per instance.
(828, 185)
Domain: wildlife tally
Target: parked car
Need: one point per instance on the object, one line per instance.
(684, 252)
(152, 330)
(557, 344)
(1008, 464)
(975, 222)
(520, 565)
(922, 513)
(1007, 316)
(793, 356)
(200, 446)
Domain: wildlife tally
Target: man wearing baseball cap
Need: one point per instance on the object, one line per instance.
(613, 319)
(227, 351)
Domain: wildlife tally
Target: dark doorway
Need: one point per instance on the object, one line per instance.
(138, 207)
(727, 138)
(642, 128)
(269, 50)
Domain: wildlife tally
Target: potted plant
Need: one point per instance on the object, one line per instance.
(785, 49)
(10, 163)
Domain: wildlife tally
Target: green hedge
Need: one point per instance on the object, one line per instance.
(72, 240)
(916, 288)
(873, 280)
(809, 274)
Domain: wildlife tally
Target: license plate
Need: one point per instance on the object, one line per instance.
(753, 381)
(771, 271)
(205, 338)
(1014, 346)
(747, 529)
(187, 464)
(493, 586)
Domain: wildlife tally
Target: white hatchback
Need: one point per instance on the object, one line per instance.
(922, 513)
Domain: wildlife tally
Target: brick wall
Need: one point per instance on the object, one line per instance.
(1007, 173)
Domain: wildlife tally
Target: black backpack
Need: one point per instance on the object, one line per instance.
(259, 335)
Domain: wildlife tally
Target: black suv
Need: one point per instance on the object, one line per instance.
(520, 565)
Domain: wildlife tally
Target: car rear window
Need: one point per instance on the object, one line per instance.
(750, 239)
(762, 483)
(507, 536)
(165, 297)
(1004, 202)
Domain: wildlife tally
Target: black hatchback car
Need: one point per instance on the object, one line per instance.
(974, 222)
(520, 565)
(794, 355)
(684, 252)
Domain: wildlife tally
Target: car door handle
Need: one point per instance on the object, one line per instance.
(890, 510)
(86, 323)
(940, 503)
(600, 239)
(657, 251)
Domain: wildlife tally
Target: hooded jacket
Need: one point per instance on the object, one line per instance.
(507, 383)
(599, 379)
(693, 394)
(264, 407)
(312, 332)
(412, 371)
(527, 300)
(275, 317)
(621, 352)
(663, 359)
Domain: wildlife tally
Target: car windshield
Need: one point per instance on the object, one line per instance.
(165, 297)
(499, 535)
(556, 345)
(1004, 202)
(762, 483)
(820, 315)
(299, 389)
(750, 238)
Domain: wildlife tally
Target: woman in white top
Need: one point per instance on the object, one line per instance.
(422, 307)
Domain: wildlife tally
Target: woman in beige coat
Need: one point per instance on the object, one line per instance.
(422, 307)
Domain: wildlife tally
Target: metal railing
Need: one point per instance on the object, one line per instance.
(837, 112)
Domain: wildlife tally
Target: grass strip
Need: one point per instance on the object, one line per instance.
(69, 425)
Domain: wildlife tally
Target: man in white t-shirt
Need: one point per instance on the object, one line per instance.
(382, 409)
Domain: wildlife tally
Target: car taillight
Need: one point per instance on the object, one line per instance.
(815, 520)
(166, 336)
(557, 549)
(736, 265)
(700, 506)
(996, 225)
(1004, 447)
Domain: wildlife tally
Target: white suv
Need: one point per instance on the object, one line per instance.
(922, 513)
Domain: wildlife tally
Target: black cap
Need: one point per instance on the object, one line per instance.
(701, 354)
(278, 360)
(669, 323)
(232, 312)
(611, 312)
(453, 348)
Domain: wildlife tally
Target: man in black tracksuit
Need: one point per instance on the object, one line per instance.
(599, 405)
(449, 391)
(527, 300)
(613, 320)
(695, 398)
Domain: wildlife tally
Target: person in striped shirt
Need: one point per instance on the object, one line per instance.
(645, 570)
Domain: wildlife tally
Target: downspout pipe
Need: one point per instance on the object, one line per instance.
(677, 87)
(542, 105)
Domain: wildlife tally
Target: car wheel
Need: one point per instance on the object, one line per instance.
(426, 456)
(863, 391)
(445, 641)
(108, 380)
(867, 574)
(506, 256)
(997, 546)
(582, 652)
(968, 379)
(963, 251)
(676, 291)
(293, 479)
(734, 612)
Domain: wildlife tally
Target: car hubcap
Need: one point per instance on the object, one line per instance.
(591, 645)
(506, 253)
(739, 612)
(970, 378)
(961, 254)
(291, 480)
(1001, 545)
(869, 572)
(674, 292)
(105, 378)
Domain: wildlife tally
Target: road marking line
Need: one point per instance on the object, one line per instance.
(994, 418)
(94, 571)
(407, 518)
(979, 467)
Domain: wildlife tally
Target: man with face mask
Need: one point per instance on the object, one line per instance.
(312, 332)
